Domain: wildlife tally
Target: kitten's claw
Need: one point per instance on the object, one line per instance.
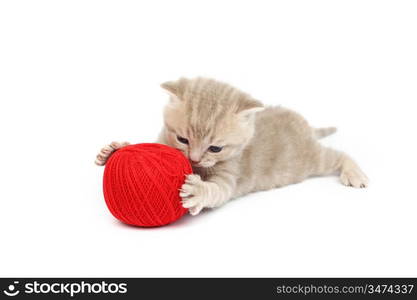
(107, 151)
(192, 194)
(184, 194)
(354, 178)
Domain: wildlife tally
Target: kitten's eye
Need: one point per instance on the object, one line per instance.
(182, 140)
(215, 149)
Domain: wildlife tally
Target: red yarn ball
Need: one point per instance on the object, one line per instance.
(141, 184)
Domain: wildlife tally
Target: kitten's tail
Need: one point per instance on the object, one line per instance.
(320, 133)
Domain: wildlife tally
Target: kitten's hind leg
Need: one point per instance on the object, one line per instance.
(331, 161)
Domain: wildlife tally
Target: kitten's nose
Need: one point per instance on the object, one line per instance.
(195, 157)
(194, 162)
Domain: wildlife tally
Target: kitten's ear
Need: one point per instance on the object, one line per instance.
(249, 113)
(176, 87)
(170, 86)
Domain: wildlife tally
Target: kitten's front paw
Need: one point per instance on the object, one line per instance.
(193, 194)
(107, 151)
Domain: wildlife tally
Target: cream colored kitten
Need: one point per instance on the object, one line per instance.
(238, 146)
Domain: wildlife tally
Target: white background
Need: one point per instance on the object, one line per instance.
(75, 75)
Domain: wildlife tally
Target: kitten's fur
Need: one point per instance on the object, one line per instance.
(263, 147)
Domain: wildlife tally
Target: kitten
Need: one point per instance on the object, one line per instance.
(238, 146)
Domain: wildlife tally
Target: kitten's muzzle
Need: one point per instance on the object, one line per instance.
(193, 162)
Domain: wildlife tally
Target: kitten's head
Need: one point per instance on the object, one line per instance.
(207, 120)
